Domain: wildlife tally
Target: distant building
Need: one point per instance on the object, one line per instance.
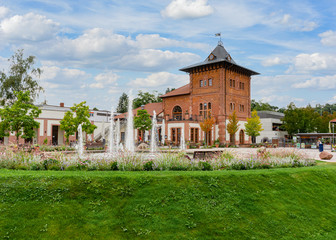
(271, 123)
(49, 130)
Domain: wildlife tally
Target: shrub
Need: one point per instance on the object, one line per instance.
(114, 166)
(205, 166)
(148, 166)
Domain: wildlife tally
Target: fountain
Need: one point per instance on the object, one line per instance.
(130, 129)
(117, 133)
(163, 129)
(112, 148)
(80, 147)
(182, 141)
(153, 145)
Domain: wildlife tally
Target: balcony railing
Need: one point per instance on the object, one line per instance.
(187, 117)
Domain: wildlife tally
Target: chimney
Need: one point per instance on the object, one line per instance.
(62, 104)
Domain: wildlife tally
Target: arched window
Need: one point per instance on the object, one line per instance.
(209, 106)
(177, 113)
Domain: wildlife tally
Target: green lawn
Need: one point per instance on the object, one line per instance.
(296, 203)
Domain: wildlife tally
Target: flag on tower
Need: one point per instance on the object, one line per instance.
(218, 34)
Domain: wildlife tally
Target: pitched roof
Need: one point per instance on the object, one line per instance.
(333, 120)
(184, 90)
(150, 107)
(219, 54)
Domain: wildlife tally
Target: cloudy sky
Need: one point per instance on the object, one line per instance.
(95, 50)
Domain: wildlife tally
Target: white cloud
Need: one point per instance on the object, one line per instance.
(328, 38)
(102, 48)
(3, 11)
(292, 23)
(332, 100)
(182, 9)
(160, 79)
(281, 100)
(156, 41)
(313, 62)
(322, 83)
(272, 61)
(31, 27)
(61, 77)
(104, 79)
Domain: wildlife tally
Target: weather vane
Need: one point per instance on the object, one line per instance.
(220, 38)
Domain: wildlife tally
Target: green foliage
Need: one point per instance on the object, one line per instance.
(169, 90)
(253, 127)
(142, 120)
(19, 117)
(169, 205)
(20, 77)
(144, 98)
(300, 120)
(70, 123)
(233, 126)
(123, 103)
(261, 106)
(148, 166)
(329, 108)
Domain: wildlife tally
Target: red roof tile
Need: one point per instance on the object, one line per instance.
(184, 90)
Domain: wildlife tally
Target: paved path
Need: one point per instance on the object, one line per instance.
(247, 152)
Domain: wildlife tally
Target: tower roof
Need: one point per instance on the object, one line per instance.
(219, 55)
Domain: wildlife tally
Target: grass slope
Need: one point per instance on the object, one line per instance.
(257, 204)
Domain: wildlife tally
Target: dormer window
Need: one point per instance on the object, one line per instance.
(211, 57)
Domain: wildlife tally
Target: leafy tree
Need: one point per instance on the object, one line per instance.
(123, 103)
(19, 117)
(142, 120)
(20, 77)
(233, 127)
(206, 126)
(260, 106)
(70, 123)
(253, 127)
(169, 90)
(300, 120)
(144, 98)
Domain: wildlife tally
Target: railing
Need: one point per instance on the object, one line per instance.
(187, 117)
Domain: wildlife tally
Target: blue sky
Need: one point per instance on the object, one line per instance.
(95, 50)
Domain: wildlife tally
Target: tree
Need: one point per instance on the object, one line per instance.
(169, 90)
(69, 123)
(206, 126)
(123, 103)
(144, 98)
(253, 127)
(19, 117)
(233, 127)
(300, 120)
(20, 77)
(142, 120)
(260, 106)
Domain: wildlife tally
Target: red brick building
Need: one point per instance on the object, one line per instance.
(219, 86)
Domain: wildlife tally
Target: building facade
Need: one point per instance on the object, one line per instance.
(218, 86)
(49, 132)
(272, 125)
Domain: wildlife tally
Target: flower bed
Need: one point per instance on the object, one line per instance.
(159, 162)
